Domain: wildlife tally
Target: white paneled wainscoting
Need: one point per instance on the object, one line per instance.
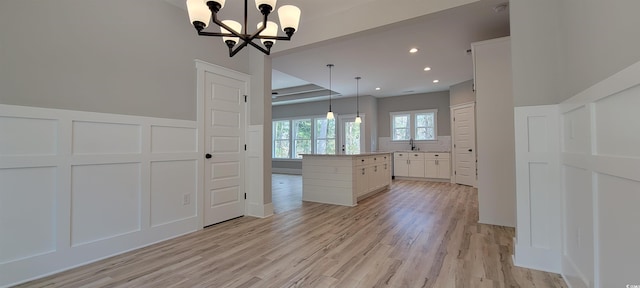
(588, 188)
(537, 243)
(76, 187)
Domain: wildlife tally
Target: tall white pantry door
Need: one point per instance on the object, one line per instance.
(464, 144)
(224, 195)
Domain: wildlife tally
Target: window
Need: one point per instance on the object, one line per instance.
(301, 137)
(281, 139)
(325, 136)
(401, 129)
(423, 123)
(425, 126)
(292, 137)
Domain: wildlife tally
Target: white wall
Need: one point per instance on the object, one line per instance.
(597, 34)
(119, 56)
(538, 242)
(368, 16)
(577, 193)
(81, 186)
(561, 48)
(495, 132)
(537, 52)
(259, 173)
(600, 164)
(462, 93)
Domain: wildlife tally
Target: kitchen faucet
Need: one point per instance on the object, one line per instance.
(413, 147)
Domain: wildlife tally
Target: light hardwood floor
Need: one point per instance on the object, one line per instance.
(286, 191)
(417, 234)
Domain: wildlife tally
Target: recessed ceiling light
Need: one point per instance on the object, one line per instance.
(436, 81)
(378, 88)
(413, 50)
(427, 68)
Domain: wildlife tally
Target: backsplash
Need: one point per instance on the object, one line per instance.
(443, 144)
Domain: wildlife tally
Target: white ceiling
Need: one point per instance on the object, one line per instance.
(381, 56)
(363, 39)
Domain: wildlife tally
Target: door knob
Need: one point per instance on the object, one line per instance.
(208, 156)
(470, 150)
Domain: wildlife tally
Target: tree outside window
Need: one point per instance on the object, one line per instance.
(302, 137)
(423, 123)
(352, 138)
(425, 126)
(401, 129)
(325, 136)
(281, 139)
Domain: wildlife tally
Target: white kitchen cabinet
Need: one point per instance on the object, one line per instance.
(344, 179)
(444, 168)
(362, 181)
(438, 165)
(416, 165)
(372, 173)
(429, 165)
(401, 164)
(408, 164)
(380, 173)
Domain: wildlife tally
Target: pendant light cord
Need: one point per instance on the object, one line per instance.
(357, 96)
(330, 91)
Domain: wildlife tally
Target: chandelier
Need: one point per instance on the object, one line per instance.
(203, 12)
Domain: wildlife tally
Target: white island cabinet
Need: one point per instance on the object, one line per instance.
(344, 179)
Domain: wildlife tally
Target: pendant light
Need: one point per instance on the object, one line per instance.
(330, 113)
(358, 119)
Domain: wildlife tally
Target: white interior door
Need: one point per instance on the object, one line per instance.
(224, 196)
(351, 135)
(464, 145)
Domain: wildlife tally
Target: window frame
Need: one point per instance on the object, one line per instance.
(274, 140)
(412, 124)
(294, 129)
(292, 135)
(393, 116)
(316, 138)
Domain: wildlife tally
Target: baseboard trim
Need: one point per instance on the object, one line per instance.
(260, 210)
(446, 180)
(286, 171)
(537, 258)
(572, 275)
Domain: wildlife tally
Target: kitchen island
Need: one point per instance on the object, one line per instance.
(344, 179)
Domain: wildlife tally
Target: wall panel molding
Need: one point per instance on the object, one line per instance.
(106, 184)
(601, 183)
(538, 244)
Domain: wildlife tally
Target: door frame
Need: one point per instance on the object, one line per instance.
(340, 130)
(202, 68)
(453, 140)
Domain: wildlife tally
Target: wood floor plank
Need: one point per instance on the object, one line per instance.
(417, 234)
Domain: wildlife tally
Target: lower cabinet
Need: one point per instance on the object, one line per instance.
(372, 173)
(344, 179)
(408, 164)
(422, 165)
(416, 165)
(438, 165)
(401, 164)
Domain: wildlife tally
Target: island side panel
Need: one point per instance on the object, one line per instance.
(328, 179)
